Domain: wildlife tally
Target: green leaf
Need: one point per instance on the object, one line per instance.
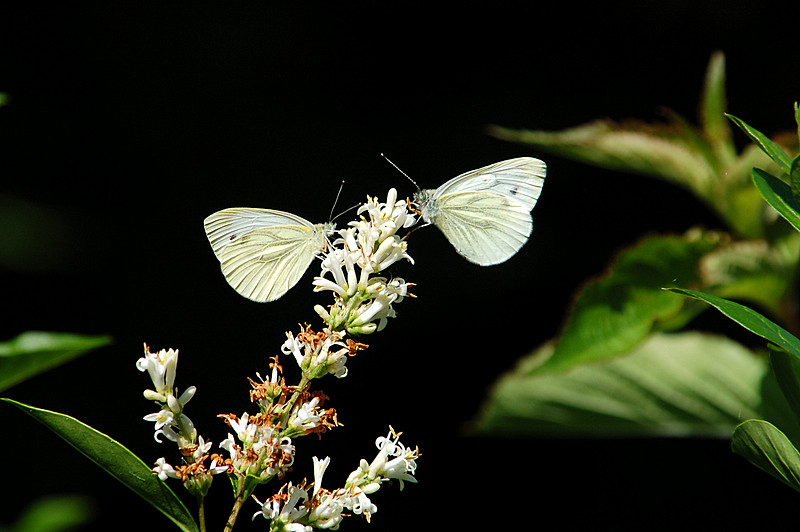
(787, 373)
(769, 147)
(615, 313)
(117, 460)
(712, 111)
(749, 319)
(674, 384)
(794, 178)
(34, 352)
(753, 270)
(779, 195)
(768, 448)
(652, 150)
(54, 514)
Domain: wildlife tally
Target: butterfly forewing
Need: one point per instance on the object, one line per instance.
(263, 253)
(225, 226)
(520, 179)
(484, 227)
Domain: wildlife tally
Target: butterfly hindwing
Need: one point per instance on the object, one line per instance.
(263, 253)
(484, 227)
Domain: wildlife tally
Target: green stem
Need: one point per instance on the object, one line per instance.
(237, 505)
(201, 512)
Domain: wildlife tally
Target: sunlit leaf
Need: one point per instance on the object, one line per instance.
(652, 150)
(33, 352)
(117, 460)
(768, 448)
(613, 314)
(675, 384)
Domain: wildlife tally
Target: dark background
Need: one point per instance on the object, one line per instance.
(128, 124)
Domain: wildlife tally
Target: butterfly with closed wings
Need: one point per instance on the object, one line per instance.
(264, 253)
(486, 213)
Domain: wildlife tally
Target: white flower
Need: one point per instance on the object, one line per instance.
(164, 470)
(307, 416)
(400, 467)
(360, 503)
(287, 514)
(319, 470)
(394, 461)
(161, 367)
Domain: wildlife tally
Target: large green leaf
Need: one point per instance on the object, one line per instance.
(117, 460)
(749, 319)
(616, 312)
(675, 384)
(779, 195)
(33, 352)
(768, 448)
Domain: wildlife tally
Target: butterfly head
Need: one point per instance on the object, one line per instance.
(423, 199)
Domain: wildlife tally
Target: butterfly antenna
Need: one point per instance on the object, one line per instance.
(399, 170)
(346, 211)
(335, 201)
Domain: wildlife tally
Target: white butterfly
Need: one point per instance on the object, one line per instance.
(486, 213)
(264, 253)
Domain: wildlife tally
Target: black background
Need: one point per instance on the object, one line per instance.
(128, 124)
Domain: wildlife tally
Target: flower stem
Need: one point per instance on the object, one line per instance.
(201, 512)
(237, 504)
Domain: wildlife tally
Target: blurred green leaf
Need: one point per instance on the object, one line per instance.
(772, 149)
(768, 448)
(34, 352)
(613, 314)
(752, 270)
(117, 461)
(674, 384)
(716, 128)
(749, 319)
(700, 159)
(636, 147)
(55, 514)
(779, 195)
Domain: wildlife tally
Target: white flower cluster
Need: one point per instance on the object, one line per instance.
(318, 354)
(366, 247)
(172, 423)
(263, 452)
(296, 511)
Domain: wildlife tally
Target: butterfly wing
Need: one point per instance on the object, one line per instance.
(263, 253)
(485, 213)
(519, 179)
(484, 227)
